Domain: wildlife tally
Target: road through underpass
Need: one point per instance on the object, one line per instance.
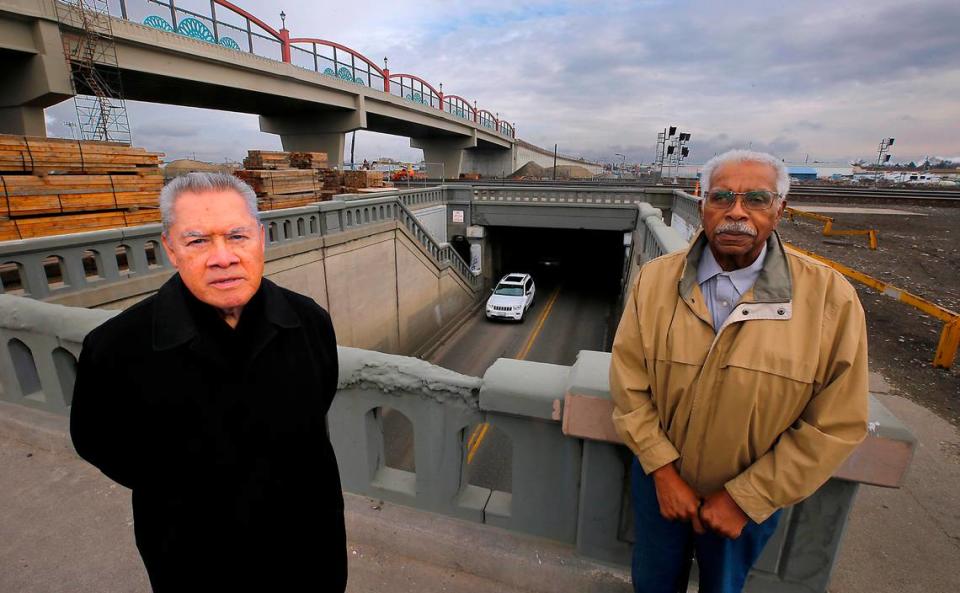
(575, 309)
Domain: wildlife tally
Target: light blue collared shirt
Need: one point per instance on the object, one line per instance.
(722, 290)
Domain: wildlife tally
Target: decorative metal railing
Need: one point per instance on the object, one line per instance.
(223, 23)
(415, 89)
(460, 107)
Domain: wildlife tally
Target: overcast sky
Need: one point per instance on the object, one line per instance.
(818, 80)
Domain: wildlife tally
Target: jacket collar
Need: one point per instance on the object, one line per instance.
(773, 285)
(173, 324)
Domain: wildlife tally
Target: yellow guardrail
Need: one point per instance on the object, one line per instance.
(949, 337)
(828, 229)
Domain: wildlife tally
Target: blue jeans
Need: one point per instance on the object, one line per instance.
(658, 554)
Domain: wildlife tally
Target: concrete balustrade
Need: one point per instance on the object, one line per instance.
(685, 214)
(93, 259)
(564, 487)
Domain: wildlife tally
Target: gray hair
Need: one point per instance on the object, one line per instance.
(746, 156)
(200, 182)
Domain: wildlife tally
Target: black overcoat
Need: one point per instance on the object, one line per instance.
(221, 434)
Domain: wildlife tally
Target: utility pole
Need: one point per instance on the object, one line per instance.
(353, 143)
(554, 162)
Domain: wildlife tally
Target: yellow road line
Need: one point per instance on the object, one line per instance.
(536, 331)
(476, 444)
(476, 437)
(473, 435)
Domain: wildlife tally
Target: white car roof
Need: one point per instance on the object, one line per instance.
(514, 278)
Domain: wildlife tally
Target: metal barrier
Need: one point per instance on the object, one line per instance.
(950, 336)
(828, 230)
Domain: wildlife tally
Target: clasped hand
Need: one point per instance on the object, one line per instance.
(679, 502)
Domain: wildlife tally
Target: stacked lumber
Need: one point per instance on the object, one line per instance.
(266, 159)
(276, 184)
(332, 179)
(35, 155)
(281, 181)
(308, 160)
(362, 179)
(54, 186)
(44, 226)
(30, 195)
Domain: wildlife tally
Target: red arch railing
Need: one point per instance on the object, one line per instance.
(240, 30)
(413, 88)
(334, 59)
(459, 107)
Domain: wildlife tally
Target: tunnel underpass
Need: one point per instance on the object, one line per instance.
(578, 275)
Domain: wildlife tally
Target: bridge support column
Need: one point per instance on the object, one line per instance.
(34, 81)
(444, 156)
(332, 144)
(321, 131)
(490, 162)
(23, 121)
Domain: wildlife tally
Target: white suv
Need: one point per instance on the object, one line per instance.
(512, 297)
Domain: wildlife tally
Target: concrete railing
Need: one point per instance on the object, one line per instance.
(685, 213)
(567, 489)
(57, 265)
(572, 195)
(656, 237)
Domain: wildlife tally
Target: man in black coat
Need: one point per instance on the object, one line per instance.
(209, 400)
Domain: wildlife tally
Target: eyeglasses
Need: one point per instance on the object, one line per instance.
(757, 199)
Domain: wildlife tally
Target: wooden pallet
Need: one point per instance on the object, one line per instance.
(30, 154)
(266, 159)
(29, 195)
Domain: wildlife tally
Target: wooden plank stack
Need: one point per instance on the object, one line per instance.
(54, 186)
(288, 179)
(41, 156)
(308, 160)
(266, 159)
(362, 179)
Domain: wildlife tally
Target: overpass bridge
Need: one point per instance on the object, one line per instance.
(307, 90)
(480, 427)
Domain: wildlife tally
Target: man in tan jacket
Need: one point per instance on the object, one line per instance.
(739, 380)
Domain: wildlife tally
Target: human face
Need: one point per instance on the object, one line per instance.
(736, 235)
(217, 246)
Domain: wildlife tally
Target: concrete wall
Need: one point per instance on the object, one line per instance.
(434, 218)
(525, 153)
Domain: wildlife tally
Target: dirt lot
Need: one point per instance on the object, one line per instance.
(920, 254)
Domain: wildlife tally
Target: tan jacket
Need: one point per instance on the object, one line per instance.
(769, 405)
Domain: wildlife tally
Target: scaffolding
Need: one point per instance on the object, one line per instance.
(91, 51)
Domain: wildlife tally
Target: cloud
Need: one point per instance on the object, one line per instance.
(821, 78)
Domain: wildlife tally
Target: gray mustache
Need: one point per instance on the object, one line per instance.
(739, 228)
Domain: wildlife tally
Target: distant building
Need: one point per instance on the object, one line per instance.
(802, 173)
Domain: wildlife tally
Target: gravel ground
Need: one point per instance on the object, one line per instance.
(920, 254)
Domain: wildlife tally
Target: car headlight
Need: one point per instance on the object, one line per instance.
(517, 307)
